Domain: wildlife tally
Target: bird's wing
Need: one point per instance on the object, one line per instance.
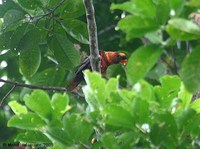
(84, 65)
(79, 74)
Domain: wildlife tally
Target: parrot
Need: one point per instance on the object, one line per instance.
(107, 58)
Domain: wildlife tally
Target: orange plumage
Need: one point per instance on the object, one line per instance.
(107, 58)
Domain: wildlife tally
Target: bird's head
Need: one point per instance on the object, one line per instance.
(116, 57)
(122, 58)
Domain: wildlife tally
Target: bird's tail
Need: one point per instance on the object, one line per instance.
(72, 85)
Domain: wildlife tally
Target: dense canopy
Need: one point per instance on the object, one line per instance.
(152, 103)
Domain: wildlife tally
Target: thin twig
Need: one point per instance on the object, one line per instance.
(168, 64)
(95, 59)
(8, 93)
(106, 29)
(39, 17)
(84, 145)
(34, 86)
(52, 11)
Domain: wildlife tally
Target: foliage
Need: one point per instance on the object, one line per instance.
(144, 116)
(149, 105)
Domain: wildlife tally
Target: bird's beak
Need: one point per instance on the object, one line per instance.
(124, 62)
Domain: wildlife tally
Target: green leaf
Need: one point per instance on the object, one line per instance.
(58, 145)
(36, 102)
(59, 135)
(143, 90)
(190, 70)
(34, 36)
(117, 116)
(53, 3)
(170, 86)
(1, 23)
(185, 97)
(48, 77)
(127, 96)
(34, 137)
(12, 16)
(186, 117)
(73, 9)
(29, 121)
(193, 3)
(19, 33)
(177, 5)
(29, 4)
(44, 2)
(157, 72)
(4, 42)
(112, 86)
(115, 97)
(64, 51)
(141, 61)
(8, 5)
(182, 29)
(17, 108)
(155, 37)
(141, 111)
(188, 122)
(126, 6)
(92, 77)
(59, 103)
(196, 105)
(136, 29)
(78, 129)
(164, 131)
(109, 141)
(128, 139)
(162, 11)
(77, 29)
(30, 56)
(29, 60)
(145, 8)
(95, 89)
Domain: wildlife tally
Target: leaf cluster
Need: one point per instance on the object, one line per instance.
(149, 105)
(146, 116)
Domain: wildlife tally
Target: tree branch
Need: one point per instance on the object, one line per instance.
(95, 59)
(39, 17)
(10, 91)
(34, 86)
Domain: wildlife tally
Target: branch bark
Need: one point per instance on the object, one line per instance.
(95, 59)
(33, 86)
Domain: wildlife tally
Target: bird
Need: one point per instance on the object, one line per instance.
(107, 58)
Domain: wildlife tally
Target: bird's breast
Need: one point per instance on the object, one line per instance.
(104, 66)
